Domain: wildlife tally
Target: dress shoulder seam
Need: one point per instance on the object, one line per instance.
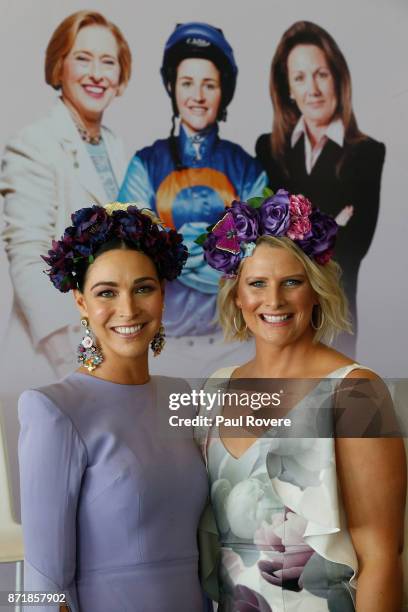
(63, 413)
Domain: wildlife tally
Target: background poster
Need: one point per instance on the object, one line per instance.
(370, 33)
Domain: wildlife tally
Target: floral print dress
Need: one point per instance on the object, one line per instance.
(284, 543)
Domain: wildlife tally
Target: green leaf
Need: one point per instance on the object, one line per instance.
(267, 192)
(91, 259)
(255, 202)
(201, 239)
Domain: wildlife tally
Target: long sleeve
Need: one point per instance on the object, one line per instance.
(137, 185)
(365, 163)
(29, 185)
(255, 179)
(52, 461)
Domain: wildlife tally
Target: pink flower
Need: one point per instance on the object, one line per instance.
(285, 529)
(285, 535)
(299, 228)
(299, 206)
(324, 257)
(266, 533)
(87, 342)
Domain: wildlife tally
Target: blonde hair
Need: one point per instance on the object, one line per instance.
(63, 39)
(324, 280)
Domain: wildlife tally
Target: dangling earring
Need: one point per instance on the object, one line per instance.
(158, 341)
(89, 355)
(320, 318)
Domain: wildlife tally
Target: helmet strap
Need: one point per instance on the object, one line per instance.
(174, 150)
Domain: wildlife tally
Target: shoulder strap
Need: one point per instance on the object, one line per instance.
(345, 370)
(224, 372)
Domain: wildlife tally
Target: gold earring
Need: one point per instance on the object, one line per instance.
(238, 330)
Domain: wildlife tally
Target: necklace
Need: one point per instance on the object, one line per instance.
(84, 133)
(86, 136)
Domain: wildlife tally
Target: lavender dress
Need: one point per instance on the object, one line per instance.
(110, 503)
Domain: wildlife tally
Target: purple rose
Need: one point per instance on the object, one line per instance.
(248, 600)
(322, 237)
(92, 227)
(220, 260)
(246, 220)
(91, 224)
(167, 251)
(130, 224)
(274, 214)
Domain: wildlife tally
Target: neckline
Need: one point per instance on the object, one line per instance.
(329, 375)
(262, 437)
(145, 385)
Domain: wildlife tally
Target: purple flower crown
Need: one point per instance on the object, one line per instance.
(92, 227)
(234, 236)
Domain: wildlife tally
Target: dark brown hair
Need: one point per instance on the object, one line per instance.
(286, 114)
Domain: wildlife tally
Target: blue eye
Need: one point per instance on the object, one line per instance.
(258, 284)
(105, 293)
(292, 282)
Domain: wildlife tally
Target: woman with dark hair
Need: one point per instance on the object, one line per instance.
(110, 499)
(64, 158)
(188, 178)
(317, 149)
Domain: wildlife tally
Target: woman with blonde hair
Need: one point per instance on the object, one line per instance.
(316, 147)
(49, 168)
(305, 522)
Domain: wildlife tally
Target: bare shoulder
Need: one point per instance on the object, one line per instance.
(329, 360)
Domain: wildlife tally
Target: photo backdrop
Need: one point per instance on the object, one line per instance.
(372, 36)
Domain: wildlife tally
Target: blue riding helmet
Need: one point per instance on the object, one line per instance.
(203, 41)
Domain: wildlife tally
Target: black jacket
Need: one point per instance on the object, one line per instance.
(341, 176)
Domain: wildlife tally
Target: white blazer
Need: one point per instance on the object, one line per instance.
(46, 175)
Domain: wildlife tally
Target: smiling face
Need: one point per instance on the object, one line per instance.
(198, 93)
(91, 72)
(123, 300)
(275, 296)
(311, 84)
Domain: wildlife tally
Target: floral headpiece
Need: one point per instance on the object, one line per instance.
(234, 236)
(92, 227)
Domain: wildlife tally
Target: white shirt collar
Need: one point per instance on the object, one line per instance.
(334, 131)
